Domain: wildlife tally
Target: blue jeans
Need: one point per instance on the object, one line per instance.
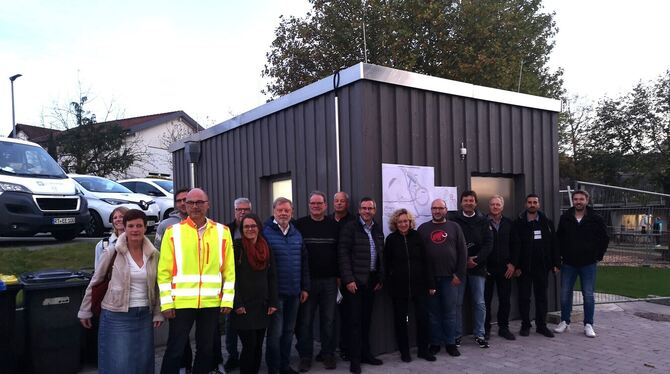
(323, 294)
(280, 334)
(442, 312)
(587, 278)
(126, 341)
(475, 283)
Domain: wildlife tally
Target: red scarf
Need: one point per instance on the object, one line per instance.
(257, 254)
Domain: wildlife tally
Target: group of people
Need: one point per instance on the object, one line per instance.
(268, 279)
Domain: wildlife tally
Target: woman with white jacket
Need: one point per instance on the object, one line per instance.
(131, 305)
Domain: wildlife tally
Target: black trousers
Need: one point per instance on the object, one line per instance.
(504, 287)
(358, 317)
(252, 350)
(205, 320)
(538, 282)
(401, 319)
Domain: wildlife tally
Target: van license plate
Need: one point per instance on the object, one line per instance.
(63, 220)
(151, 223)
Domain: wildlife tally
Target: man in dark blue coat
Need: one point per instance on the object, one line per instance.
(292, 284)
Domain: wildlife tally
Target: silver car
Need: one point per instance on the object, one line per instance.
(161, 190)
(104, 195)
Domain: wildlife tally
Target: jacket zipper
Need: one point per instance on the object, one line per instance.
(409, 271)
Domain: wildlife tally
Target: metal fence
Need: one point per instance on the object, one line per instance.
(637, 263)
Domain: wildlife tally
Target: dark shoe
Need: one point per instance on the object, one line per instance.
(329, 362)
(505, 333)
(453, 350)
(370, 360)
(434, 349)
(305, 364)
(405, 357)
(319, 357)
(288, 370)
(458, 342)
(483, 343)
(543, 330)
(232, 364)
(525, 331)
(426, 356)
(355, 368)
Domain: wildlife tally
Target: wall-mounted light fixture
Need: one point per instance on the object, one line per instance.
(463, 152)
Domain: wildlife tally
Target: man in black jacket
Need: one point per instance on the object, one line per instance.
(360, 254)
(479, 242)
(500, 268)
(534, 238)
(583, 240)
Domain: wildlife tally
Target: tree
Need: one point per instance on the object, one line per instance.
(497, 43)
(630, 135)
(86, 147)
(573, 126)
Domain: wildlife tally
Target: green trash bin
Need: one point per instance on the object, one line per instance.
(53, 333)
(8, 350)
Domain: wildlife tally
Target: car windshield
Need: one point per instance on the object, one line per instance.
(166, 185)
(98, 184)
(25, 160)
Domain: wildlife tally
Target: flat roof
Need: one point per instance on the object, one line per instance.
(363, 71)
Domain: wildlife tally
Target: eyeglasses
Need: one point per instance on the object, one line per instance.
(197, 203)
(367, 208)
(180, 200)
(316, 203)
(243, 209)
(437, 208)
(250, 227)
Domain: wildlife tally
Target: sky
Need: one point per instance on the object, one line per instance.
(134, 58)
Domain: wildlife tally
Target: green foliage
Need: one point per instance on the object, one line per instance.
(92, 148)
(484, 42)
(76, 255)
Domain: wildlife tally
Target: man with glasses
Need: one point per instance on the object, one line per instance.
(360, 254)
(242, 206)
(177, 215)
(447, 254)
(292, 284)
(320, 234)
(196, 281)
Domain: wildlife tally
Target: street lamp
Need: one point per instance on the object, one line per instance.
(12, 79)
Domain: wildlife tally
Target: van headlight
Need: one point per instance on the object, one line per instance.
(12, 187)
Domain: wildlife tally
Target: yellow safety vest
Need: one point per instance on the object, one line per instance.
(195, 272)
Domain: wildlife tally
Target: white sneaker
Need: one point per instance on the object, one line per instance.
(588, 331)
(562, 327)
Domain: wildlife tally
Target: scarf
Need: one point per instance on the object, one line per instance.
(257, 254)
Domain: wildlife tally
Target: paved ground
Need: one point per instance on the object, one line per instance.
(632, 338)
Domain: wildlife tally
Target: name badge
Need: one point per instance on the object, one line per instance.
(537, 234)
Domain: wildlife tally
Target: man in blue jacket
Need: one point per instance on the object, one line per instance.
(292, 284)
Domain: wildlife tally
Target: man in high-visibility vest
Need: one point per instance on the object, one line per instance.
(196, 278)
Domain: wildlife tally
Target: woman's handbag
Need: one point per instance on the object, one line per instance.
(99, 290)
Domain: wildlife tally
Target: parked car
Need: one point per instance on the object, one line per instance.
(161, 190)
(104, 195)
(36, 195)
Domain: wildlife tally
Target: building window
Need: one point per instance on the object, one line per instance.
(282, 188)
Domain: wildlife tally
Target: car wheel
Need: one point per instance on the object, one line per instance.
(167, 213)
(65, 236)
(95, 227)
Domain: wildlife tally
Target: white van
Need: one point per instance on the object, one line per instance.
(36, 195)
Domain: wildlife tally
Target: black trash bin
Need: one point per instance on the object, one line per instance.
(53, 333)
(8, 349)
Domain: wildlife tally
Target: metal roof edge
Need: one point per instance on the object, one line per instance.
(320, 87)
(376, 73)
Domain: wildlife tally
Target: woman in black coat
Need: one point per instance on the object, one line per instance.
(255, 291)
(410, 280)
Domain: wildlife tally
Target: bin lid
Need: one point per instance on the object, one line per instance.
(51, 276)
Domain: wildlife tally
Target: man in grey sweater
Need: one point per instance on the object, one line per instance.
(447, 254)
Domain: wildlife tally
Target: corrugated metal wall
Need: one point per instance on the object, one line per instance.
(379, 123)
